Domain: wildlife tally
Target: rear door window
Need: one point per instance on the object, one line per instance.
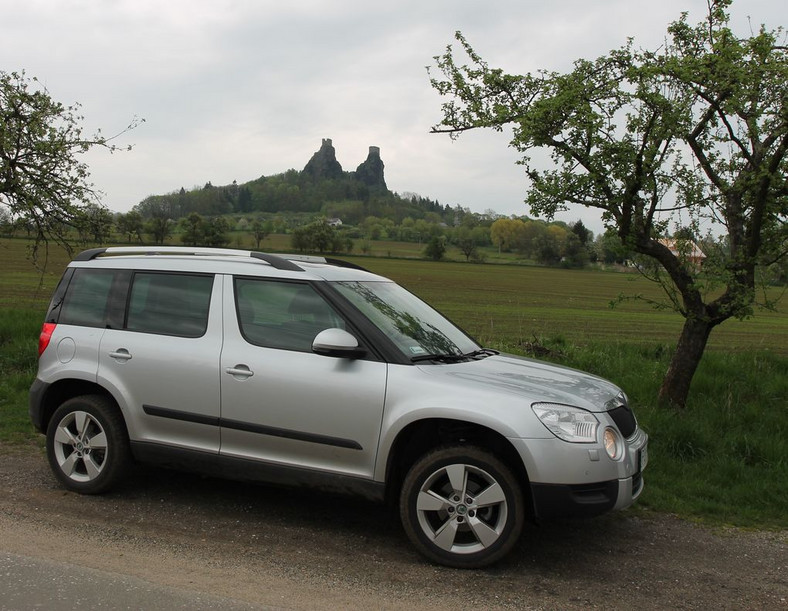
(169, 304)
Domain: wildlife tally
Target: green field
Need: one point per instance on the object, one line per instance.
(501, 305)
(723, 459)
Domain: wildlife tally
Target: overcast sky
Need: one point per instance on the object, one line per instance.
(236, 89)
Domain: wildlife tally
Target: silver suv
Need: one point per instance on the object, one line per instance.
(310, 371)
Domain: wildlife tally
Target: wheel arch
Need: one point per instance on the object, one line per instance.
(421, 436)
(61, 391)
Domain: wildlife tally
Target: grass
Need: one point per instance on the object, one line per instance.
(724, 459)
(508, 305)
(18, 361)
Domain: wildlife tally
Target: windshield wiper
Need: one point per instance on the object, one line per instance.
(481, 353)
(443, 358)
(455, 358)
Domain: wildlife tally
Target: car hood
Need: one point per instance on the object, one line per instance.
(530, 379)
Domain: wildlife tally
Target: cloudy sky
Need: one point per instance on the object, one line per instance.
(236, 89)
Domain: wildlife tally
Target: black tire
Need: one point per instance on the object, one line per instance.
(462, 507)
(87, 444)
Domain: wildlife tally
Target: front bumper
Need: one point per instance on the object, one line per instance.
(584, 500)
(573, 479)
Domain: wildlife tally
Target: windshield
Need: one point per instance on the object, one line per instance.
(416, 329)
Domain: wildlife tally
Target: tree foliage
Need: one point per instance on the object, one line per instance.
(319, 236)
(42, 180)
(130, 225)
(694, 133)
(435, 248)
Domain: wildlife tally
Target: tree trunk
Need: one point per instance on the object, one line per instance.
(676, 385)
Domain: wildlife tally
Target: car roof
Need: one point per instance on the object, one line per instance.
(224, 261)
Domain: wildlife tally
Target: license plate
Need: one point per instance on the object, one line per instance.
(642, 458)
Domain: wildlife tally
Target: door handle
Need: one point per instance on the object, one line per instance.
(240, 372)
(121, 354)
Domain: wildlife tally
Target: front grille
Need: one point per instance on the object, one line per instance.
(625, 420)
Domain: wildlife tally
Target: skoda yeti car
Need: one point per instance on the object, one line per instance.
(306, 371)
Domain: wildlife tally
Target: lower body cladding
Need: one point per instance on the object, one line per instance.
(577, 479)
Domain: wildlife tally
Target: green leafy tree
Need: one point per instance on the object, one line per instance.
(216, 232)
(94, 223)
(505, 233)
(550, 246)
(259, 230)
(159, 213)
(582, 232)
(159, 228)
(130, 225)
(193, 227)
(696, 130)
(42, 180)
(319, 236)
(575, 253)
(466, 240)
(436, 248)
(610, 249)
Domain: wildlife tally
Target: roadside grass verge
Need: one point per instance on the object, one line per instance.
(19, 331)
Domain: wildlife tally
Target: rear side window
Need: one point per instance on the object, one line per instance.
(87, 298)
(169, 304)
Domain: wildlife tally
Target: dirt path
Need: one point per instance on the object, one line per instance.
(303, 550)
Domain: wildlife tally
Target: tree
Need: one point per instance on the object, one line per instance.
(194, 229)
(435, 248)
(319, 236)
(505, 233)
(549, 246)
(582, 232)
(696, 131)
(42, 180)
(160, 213)
(215, 232)
(260, 229)
(94, 223)
(467, 241)
(130, 225)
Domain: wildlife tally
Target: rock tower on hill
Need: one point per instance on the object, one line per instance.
(371, 171)
(324, 166)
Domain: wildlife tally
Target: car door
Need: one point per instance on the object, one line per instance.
(164, 361)
(281, 402)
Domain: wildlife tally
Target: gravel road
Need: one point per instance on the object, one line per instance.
(249, 546)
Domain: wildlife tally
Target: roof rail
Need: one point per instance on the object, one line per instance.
(274, 261)
(282, 261)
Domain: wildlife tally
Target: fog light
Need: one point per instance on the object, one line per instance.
(612, 443)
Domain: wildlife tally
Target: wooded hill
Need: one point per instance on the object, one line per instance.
(322, 187)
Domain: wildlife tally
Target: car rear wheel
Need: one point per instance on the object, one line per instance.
(462, 507)
(87, 444)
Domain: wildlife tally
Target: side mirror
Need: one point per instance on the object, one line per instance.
(337, 342)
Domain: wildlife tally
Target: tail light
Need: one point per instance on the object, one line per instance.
(47, 330)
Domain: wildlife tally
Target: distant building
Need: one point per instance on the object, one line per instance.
(685, 249)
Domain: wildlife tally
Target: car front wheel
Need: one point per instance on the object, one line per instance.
(87, 444)
(462, 507)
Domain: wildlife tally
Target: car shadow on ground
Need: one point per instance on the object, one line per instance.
(343, 524)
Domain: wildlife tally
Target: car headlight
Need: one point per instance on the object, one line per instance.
(568, 423)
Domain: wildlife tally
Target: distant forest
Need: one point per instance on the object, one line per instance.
(345, 197)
